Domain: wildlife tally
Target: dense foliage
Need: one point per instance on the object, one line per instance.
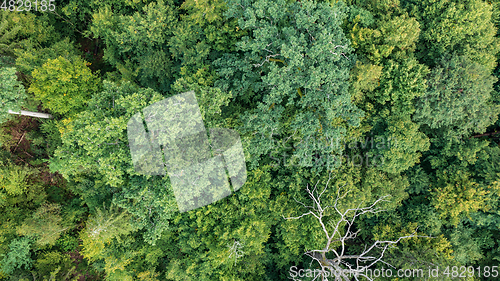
(372, 99)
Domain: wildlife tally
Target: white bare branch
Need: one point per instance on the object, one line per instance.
(344, 266)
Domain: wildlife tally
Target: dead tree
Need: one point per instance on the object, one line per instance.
(334, 261)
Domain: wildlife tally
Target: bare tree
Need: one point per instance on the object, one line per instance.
(341, 265)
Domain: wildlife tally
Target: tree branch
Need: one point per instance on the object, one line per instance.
(344, 264)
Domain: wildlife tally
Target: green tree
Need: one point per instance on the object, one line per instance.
(96, 138)
(12, 93)
(337, 224)
(202, 242)
(387, 79)
(19, 255)
(7, 36)
(45, 225)
(388, 84)
(55, 266)
(151, 203)
(20, 32)
(361, 185)
(202, 35)
(99, 165)
(64, 86)
(102, 228)
(458, 100)
(289, 77)
(382, 29)
(18, 29)
(392, 101)
(464, 27)
(95, 156)
(75, 17)
(457, 194)
(137, 44)
(35, 55)
(14, 179)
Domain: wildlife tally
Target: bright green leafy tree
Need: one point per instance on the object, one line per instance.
(64, 86)
(464, 27)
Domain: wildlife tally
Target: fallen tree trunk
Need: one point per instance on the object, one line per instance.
(32, 114)
(486, 134)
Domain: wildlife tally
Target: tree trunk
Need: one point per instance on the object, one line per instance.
(32, 114)
(487, 134)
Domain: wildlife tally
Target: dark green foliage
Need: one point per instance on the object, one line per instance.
(199, 37)
(12, 93)
(94, 141)
(34, 56)
(151, 202)
(54, 265)
(393, 102)
(204, 237)
(52, 136)
(457, 101)
(300, 82)
(44, 225)
(290, 75)
(7, 36)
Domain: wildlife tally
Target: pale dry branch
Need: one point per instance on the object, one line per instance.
(343, 266)
(266, 60)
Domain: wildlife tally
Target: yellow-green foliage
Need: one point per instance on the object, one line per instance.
(14, 179)
(54, 266)
(64, 85)
(44, 225)
(102, 228)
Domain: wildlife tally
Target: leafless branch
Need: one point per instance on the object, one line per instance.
(343, 266)
(266, 60)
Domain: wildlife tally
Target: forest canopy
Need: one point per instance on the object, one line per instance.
(368, 134)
